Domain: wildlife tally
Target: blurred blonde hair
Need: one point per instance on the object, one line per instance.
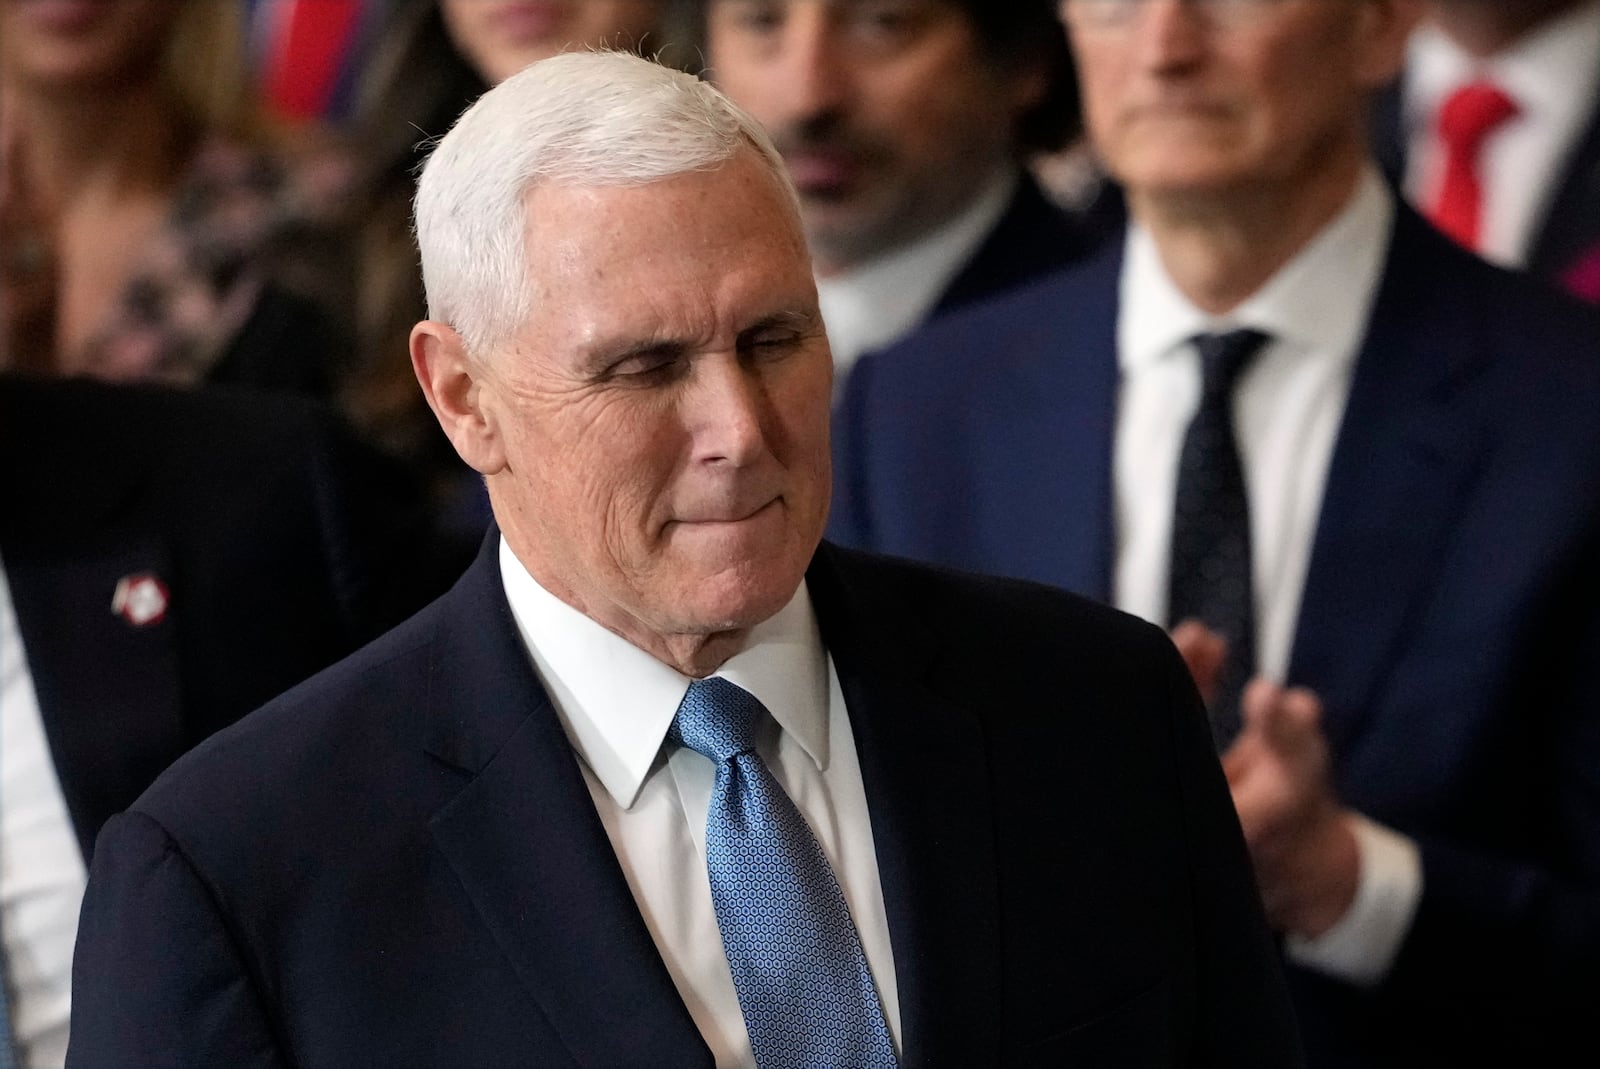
(208, 73)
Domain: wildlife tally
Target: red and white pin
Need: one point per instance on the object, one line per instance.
(141, 599)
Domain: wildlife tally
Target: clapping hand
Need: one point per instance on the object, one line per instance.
(1279, 770)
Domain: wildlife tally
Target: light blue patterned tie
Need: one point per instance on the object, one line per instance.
(803, 984)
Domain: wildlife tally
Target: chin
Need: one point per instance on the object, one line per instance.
(737, 600)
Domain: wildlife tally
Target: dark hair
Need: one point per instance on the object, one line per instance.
(1022, 32)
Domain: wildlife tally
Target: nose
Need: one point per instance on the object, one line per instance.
(812, 77)
(1170, 35)
(725, 410)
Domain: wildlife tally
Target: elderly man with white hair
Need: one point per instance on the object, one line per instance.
(663, 781)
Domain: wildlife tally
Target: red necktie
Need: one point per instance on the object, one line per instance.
(1466, 120)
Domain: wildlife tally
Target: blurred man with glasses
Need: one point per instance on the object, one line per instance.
(1354, 468)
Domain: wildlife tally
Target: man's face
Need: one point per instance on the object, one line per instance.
(1214, 96)
(663, 414)
(888, 112)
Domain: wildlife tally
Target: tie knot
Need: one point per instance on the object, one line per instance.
(717, 719)
(1223, 357)
(1473, 112)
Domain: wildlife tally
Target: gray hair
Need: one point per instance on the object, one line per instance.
(595, 118)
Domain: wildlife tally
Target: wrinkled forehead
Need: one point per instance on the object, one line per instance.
(690, 207)
(699, 253)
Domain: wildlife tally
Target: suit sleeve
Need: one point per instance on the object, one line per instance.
(158, 980)
(1244, 1017)
(1516, 933)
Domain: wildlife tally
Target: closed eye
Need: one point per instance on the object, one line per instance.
(646, 365)
(777, 335)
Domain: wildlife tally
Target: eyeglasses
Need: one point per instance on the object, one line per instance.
(1117, 14)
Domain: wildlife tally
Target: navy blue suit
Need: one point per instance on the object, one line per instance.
(399, 864)
(1451, 613)
(1033, 238)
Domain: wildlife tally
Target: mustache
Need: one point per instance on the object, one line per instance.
(830, 133)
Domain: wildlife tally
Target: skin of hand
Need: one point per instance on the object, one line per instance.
(1306, 855)
(1204, 651)
(27, 261)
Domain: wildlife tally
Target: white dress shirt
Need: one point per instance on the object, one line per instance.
(876, 303)
(1287, 409)
(41, 869)
(1553, 73)
(616, 702)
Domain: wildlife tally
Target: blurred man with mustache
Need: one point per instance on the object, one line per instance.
(1355, 468)
(904, 124)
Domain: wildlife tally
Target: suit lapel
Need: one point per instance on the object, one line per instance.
(107, 688)
(943, 930)
(526, 843)
(1405, 452)
(1571, 226)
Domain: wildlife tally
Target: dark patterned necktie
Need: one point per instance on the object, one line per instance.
(804, 988)
(1210, 577)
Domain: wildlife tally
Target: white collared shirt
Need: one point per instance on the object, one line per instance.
(616, 702)
(42, 873)
(876, 303)
(1287, 409)
(1553, 74)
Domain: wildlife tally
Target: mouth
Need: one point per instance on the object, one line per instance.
(529, 21)
(715, 518)
(1180, 108)
(823, 172)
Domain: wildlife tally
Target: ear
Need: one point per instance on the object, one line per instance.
(454, 384)
(1385, 27)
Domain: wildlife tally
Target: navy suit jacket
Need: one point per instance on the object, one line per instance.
(1451, 613)
(279, 540)
(1032, 239)
(1568, 233)
(398, 863)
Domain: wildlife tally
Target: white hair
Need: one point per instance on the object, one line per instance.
(596, 118)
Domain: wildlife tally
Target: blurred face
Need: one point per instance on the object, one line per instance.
(500, 37)
(1213, 96)
(888, 112)
(82, 44)
(663, 416)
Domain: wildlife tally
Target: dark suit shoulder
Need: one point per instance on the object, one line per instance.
(313, 743)
(993, 624)
(1032, 239)
(1541, 345)
(1054, 316)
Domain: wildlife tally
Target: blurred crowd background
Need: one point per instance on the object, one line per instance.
(216, 194)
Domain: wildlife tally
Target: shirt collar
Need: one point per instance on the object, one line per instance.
(872, 304)
(1551, 72)
(1318, 302)
(616, 702)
